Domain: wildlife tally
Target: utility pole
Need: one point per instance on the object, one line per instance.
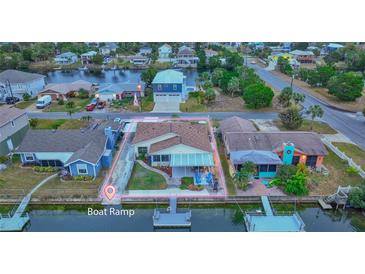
(11, 91)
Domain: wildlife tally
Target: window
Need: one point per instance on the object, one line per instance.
(29, 157)
(174, 87)
(81, 169)
(311, 160)
(272, 168)
(296, 160)
(159, 87)
(156, 158)
(165, 158)
(142, 150)
(263, 168)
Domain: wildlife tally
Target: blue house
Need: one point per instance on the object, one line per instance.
(80, 152)
(169, 86)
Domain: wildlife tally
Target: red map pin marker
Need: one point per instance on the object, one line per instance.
(109, 191)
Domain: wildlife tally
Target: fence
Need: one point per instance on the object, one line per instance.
(343, 156)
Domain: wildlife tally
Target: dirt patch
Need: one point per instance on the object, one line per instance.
(322, 94)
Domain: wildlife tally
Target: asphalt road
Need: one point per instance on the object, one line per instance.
(345, 122)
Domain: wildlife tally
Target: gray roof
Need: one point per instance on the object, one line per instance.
(256, 156)
(86, 145)
(308, 143)
(236, 124)
(120, 87)
(8, 114)
(16, 76)
(66, 54)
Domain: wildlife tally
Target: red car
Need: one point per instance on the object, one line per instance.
(90, 107)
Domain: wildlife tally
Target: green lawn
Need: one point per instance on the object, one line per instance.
(325, 185)
(224, 162)
(144, 179)
(192, 105)
(60, 124)
(319, 127)
(25, 104)
(354, 152)
(80, 105)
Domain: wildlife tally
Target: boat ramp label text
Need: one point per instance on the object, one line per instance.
(110, 212)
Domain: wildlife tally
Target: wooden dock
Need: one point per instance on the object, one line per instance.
(171, 218)
(323, 204)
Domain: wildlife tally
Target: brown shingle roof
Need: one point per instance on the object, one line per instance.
(194, 135)
(236, 124)
(307, 142)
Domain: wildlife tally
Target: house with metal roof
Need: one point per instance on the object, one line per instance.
(269, 150)
(181, 146)
(80, 152)
(169, 86)
(16, 83)
(117, 91)
(164, 51)
(66, 58)
(13, 127)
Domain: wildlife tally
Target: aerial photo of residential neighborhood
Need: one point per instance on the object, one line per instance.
(191, 136)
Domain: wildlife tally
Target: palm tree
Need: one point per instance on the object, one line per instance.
(70, 106)
(315, 111)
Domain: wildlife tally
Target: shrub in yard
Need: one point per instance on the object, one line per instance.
(44, 169)
(297, 185)
(357, 197)
(3, 159)
(82, 178)
(346, 86)
(258, 96)
(291, 118)
(26, 97)
(186, 182)
(350, 170)
(285, 172)
(83, 94)
(33, 123)
(61, 102)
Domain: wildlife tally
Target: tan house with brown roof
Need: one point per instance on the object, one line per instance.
(179, 145)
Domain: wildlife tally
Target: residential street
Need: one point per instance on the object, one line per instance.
(345, 122)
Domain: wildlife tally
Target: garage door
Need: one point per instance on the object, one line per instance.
(167, 97)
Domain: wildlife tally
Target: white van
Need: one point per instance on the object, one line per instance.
(44, 101)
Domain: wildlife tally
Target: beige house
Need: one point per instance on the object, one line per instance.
(13, 126)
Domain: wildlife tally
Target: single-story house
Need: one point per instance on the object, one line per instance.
(79, 151)
(303, 56)
(87, 57)
(236, 124)
(65, 90)
(66, 58)
(169, 86)
(269, 150)
(20, 82)
(13, 127)
(181, 146)
(109, 91)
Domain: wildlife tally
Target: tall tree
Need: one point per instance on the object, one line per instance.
(258, 96)
(233, 87)
(315, 111)
(291, 118)
(148, 75)
(346, 86)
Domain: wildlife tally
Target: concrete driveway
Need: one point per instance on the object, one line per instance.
(171, 107)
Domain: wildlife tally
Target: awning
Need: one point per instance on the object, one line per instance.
(197, 159)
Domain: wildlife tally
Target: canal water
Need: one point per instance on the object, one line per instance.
(109, 76)
(204, 219)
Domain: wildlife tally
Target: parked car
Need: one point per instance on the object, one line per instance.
(44, 101)
(90, 107)
(11, 100)
(253, 62)
(100, 105)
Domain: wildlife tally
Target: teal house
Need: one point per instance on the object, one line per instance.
(79, 152)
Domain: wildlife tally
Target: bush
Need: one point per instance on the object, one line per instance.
(3, 159)
(291, 118)
(187, 183)
(350, 170)
(258, 96)
(83, 94)
(61, 102)
(346, 87)
(45, 169)
(82, 178)
(357, 197)
(33, 123)
(285, 172)
(297, 184)
(26, 97)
